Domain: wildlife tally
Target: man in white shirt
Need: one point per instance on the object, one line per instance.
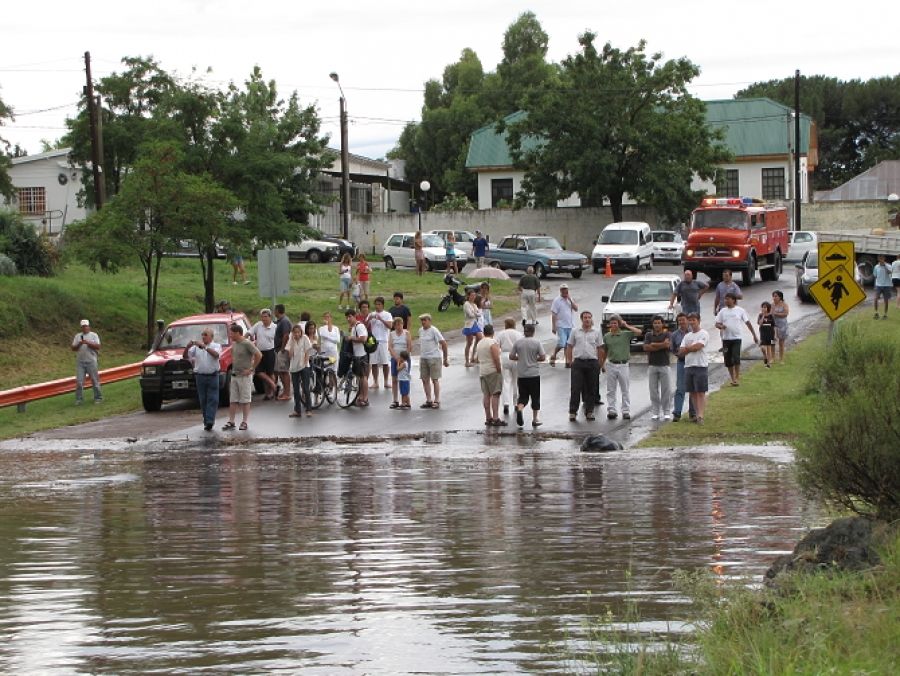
(379, 324)
(583, 353)
(263, 335)
(696, 364)
(506, 339)
(730, 321)
(357, 335)
(432, 347)
(562, 317)
(86, 345)
(204, 357)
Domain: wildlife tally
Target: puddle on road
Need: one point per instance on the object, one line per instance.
(443, 553)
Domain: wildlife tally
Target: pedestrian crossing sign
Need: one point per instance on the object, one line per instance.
(834, 254)
(837, 292)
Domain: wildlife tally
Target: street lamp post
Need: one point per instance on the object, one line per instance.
(345, 163)
(424, 186)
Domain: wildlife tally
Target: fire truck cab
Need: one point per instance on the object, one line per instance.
(739, 234)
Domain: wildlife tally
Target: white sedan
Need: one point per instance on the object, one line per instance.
(400, 252)
(667, 246)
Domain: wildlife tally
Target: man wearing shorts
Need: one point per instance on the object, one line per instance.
(527, 353)
(282, 358)
(562, 318)
(379, 324)
(245, 357)
(432, 355)
(730, 321)
(487, 352)
(883, 285)
(696, 365)
(356, 336)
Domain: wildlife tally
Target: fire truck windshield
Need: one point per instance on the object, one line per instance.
(729, 219)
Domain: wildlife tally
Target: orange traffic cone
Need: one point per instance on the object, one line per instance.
(608, 271)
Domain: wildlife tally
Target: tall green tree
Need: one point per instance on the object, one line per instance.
(620, 123)
(858, 122)
(158, 204)
(6, 186)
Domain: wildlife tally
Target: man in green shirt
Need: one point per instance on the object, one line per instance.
(614, 362)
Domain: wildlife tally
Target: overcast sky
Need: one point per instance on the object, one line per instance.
(385, 50)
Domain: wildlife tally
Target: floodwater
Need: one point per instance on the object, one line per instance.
(432, 556)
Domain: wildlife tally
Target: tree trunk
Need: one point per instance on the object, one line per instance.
(207, 261)
(151, 298)
(615, 203)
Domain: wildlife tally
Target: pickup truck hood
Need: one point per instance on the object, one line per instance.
(660, 308)
(162, 356)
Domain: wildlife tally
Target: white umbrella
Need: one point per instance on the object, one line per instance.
(487, 272)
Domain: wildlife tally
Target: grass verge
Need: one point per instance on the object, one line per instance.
(774, 404)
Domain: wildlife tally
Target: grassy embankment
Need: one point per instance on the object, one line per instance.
(774, 404)
(40, 317)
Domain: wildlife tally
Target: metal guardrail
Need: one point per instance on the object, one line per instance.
(19, 396)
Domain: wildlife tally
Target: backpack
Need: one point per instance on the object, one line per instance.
(371, 344)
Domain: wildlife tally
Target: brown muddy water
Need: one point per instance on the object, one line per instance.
(433, 557)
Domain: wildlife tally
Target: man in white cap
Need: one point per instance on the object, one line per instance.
(86, 345)
(562, 316)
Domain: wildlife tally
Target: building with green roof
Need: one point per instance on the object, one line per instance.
(758, 132)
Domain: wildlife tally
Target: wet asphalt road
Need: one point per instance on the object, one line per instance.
(461, 409)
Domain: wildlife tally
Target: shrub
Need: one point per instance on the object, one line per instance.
(7, 266)
(32, 254)
(851, 457)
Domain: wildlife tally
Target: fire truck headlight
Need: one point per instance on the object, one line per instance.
(735, 253)
(689, 252)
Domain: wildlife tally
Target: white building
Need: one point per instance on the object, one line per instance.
(47, 190)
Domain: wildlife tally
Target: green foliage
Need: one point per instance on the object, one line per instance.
(858, 122)
(31, 253)
(620, 122)
(6, 186)
(7, 266)
(454, 202)
(850, 457)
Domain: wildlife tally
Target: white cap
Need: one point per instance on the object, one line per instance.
(85, 322)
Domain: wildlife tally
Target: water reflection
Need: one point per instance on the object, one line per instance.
(394, 561)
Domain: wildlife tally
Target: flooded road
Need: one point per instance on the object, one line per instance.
(443, 555)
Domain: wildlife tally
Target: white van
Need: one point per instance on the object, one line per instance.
(627, 244)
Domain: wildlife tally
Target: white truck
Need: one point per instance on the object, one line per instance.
(867, 246)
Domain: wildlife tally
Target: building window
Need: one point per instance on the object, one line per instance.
(501, 191)
(360, 200)
(32, 201)
(773, 183)
(729, 185)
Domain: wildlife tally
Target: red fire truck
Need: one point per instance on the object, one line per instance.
(739, 234)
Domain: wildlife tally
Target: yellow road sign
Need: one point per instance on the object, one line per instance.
(837, 292)
(833, 254)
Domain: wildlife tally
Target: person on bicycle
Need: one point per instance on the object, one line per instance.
(329, 340)
(357, 336)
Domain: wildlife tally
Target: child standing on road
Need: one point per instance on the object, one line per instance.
(403, 370)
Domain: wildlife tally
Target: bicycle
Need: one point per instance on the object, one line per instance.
(323, 384)
(348, 384)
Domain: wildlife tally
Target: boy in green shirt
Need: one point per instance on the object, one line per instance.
(614, 362)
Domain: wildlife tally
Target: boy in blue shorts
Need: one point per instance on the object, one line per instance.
(403, 368)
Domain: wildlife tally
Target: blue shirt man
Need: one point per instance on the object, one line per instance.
(479, 248)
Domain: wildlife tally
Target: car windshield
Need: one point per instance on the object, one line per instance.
(618, 237)
(177, 337)
(641, 291)
(665, 237)
(812, 260)
(432, 240)
(730, 219)
(543, 243)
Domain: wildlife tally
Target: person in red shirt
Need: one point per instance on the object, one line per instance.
(363, 269)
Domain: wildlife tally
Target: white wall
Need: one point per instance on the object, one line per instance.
(750, 178)
(62, 201)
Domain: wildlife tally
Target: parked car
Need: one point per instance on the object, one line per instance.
(463, 239)
(627, 244)
(399, 252)
(166, 376)
(543, 253)
(807, 272)
(345, 246)
(312, 250)
(638, 299)
(187, 248)
(667, 246)
(800, 242)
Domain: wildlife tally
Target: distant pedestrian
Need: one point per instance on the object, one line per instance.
(432, 348)
(696, 372)
(657, 344)
(263, 335)
(479, 249)
(86, 346)
(766, 322)
(562, 318)
(223, 306)
(731, 320)
(527, 353)
(614, 362)
(345, 280)
(780, 312)
(883, 285)
(450, 253)
(583, 353)
(484, 290)
(245, 357)
(676, 337)
(400, 309)
(363, 273)
(237, 268)
(506, 339)
(419, 248)
(727, 285)
(530, 294)
(282, 358)
(471, 327)
(688, 292)
(488, 353)
(299, 349)
(204, 358)
(398, 341)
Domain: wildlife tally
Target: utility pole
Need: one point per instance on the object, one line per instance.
(797, 145)
(96, 157)
(345, 162)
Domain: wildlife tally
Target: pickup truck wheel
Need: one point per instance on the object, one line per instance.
(866, 267)
(314, 256)
(650, 264)
(225, 391)
(152, 401)
(576, 274)
(748, 274)
(389, 263)
(540, 270)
